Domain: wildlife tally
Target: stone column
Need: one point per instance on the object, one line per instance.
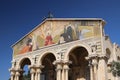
(35, 71)
(66, 68)
(17, 75)
(58, 64)
(12, 75)
(32, 71)
(58, 70)
(92, 66)
(95, 64)
(91, 73)
(12, 78)
(91, 69)
(63, 74)
(102, 68)
(12, 72)
(38, 74)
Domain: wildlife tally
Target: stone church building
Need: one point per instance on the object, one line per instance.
(65, 49)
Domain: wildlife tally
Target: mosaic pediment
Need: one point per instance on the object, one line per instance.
(56, 32)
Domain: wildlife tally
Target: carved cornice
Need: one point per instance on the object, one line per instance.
(19, 71)
(92, 56)
(93, 59)
(103, 56)
(36, 66)
(67, 62)
(62, 62)
(95, 56)
(58, 62)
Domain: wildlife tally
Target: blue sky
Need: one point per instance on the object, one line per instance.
(18, 17)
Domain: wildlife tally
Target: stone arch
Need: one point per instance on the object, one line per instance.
(24, 60)
(43, 55)
(87, 47)
(74, 58)
(48, 71)
(47, 59)
(79, 68)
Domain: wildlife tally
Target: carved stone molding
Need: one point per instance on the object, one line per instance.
(93, 60)
(67, 62)
(93, 56)
(61, 53)
(62, 62)
(12, 71)
(103, 56)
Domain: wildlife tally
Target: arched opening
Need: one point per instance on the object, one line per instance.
(48, 72)
(79, 69)
(25, 72)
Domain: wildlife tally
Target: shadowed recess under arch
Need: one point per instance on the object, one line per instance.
(25, 61)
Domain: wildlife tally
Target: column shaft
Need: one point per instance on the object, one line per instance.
(66, 68)
(63, 74)
(38, 76)
(95, 71)
(59, 68)
(58, 75)
(12, 77)
(91, 73)
(32, 76)
(66, 74)
(38, 73)
(17, 77)
(32, 71)
(12, 72)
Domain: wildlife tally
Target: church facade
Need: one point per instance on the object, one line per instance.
(65, 49)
